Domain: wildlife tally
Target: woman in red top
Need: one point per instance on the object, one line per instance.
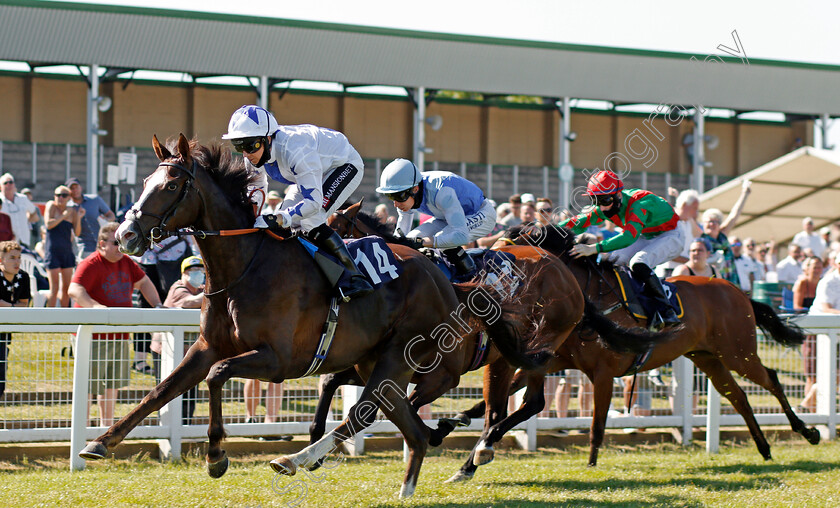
(6, 232)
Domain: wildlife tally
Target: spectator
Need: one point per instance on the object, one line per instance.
(545, 212)
(716, 229)
(273, 200)
(14, 292)
(503, 210)
(687, 206)
(751, 249)
(804, 291)
(382, 215)
(62, 223)
(790, 268)
(527, 213)
(187, 293)
(513, 219)
(827, 295)
(105, 279)
(6, 232)
(698, 254)
(808, 238)
(528, 198)
(37, 226)
(748, 270)
(825, 234)
(95, 208)
(642, 398)
(563, 394)
(21, 211)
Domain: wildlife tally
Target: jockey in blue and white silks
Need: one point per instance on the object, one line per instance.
(460, 213)
(322, 165)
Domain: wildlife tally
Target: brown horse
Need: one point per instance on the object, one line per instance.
(548, 292)
(718, 336)
(266, 304)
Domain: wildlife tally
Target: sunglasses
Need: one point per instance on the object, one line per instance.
(62, 195)
(8, 183)
(247, 145)
(544, 210)
(603, 199)
(113, 242)
(399, 197)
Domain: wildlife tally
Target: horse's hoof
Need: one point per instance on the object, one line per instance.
(316, 465)
(460, 476)
(407, 490)
(483, 456)
(94, 451)
(217, 469)
(284, 465)
(463, 420)
(812, 435)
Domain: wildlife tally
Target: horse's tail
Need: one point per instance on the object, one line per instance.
(618, 338)
(507, 322)
(787, 334)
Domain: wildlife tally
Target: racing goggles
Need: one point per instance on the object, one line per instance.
(247, 145)
(603, 199)
(400, 196)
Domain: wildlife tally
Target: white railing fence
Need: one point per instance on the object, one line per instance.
(46, 394)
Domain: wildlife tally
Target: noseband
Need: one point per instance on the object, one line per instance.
(159, 232)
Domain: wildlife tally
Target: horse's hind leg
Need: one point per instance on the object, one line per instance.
(187, 374)
(756, 372)
(726, 385)
(332, 382)
(260, 363)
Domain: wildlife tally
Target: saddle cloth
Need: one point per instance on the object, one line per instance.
(495, 268)
(371, 254)
(632, 291)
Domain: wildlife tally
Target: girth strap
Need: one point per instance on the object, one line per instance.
(327, 335)
(481, 349)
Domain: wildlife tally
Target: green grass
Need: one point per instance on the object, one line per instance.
(644, 476)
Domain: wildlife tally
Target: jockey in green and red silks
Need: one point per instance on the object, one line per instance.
(650, 235)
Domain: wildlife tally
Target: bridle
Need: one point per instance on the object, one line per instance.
(159, 232)
(353, 224)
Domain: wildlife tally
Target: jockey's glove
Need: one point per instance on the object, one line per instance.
(272, 221)
(414, 243)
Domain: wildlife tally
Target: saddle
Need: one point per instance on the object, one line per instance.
(497, 269)
(634, 298)
(371, 254)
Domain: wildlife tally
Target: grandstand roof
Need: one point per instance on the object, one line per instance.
(216, 44)
(803, 183)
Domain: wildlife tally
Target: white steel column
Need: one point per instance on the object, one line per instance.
(698, 170)
(81, 373)
(263, 92)
(420, 128)
(93, 131)
(565, 126)
(712, 419)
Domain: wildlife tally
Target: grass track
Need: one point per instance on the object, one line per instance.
(654, 476)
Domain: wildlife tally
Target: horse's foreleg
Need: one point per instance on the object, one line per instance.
(725, 384)
(261, 363)
(602, 398)
(187, 374)
(497, 378)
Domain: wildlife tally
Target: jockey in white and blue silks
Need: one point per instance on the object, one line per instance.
(460, 213)
(322, 165)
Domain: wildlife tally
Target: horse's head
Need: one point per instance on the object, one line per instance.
(555, 239)
(169, 200)
(344, 221)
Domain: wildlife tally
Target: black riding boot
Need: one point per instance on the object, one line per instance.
(665, 317)
(323, 236)
(463, 263)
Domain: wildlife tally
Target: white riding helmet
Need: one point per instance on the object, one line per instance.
(399, 175)
(251, 122)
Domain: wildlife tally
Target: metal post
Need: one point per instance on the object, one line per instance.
(171, 413)
(489, 181)
(545, 181)
(93, 131)
(377, 168)
(565, 126)
(644, 184)
(516, 179)
(827, 381)
(34, 163)
(683, 401)
(420, 128)
(264, 92)
(824, 130)
(350, 396)
(67, 161)
(698, 170)
(463, 169)
(81, 373)
(712, 420)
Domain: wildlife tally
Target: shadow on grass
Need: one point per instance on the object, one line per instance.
(650, 501)
(760, 482)
(808, 466)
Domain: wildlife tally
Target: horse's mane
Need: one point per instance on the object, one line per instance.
(556, 239)
(229, 173)
(383, 230)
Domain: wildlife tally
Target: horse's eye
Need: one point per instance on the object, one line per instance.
(172, 186)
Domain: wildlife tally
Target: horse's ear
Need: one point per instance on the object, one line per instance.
(353, 210)
(184, 149)
(361, 202)
(160, 150)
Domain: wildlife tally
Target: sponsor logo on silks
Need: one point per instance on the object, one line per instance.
(339, 179)
(474, 221)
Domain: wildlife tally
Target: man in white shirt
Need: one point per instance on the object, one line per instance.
(18, 208)
(809, 238)
(748, 270)
(827, 299)
(687, 207)
(789, 269)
